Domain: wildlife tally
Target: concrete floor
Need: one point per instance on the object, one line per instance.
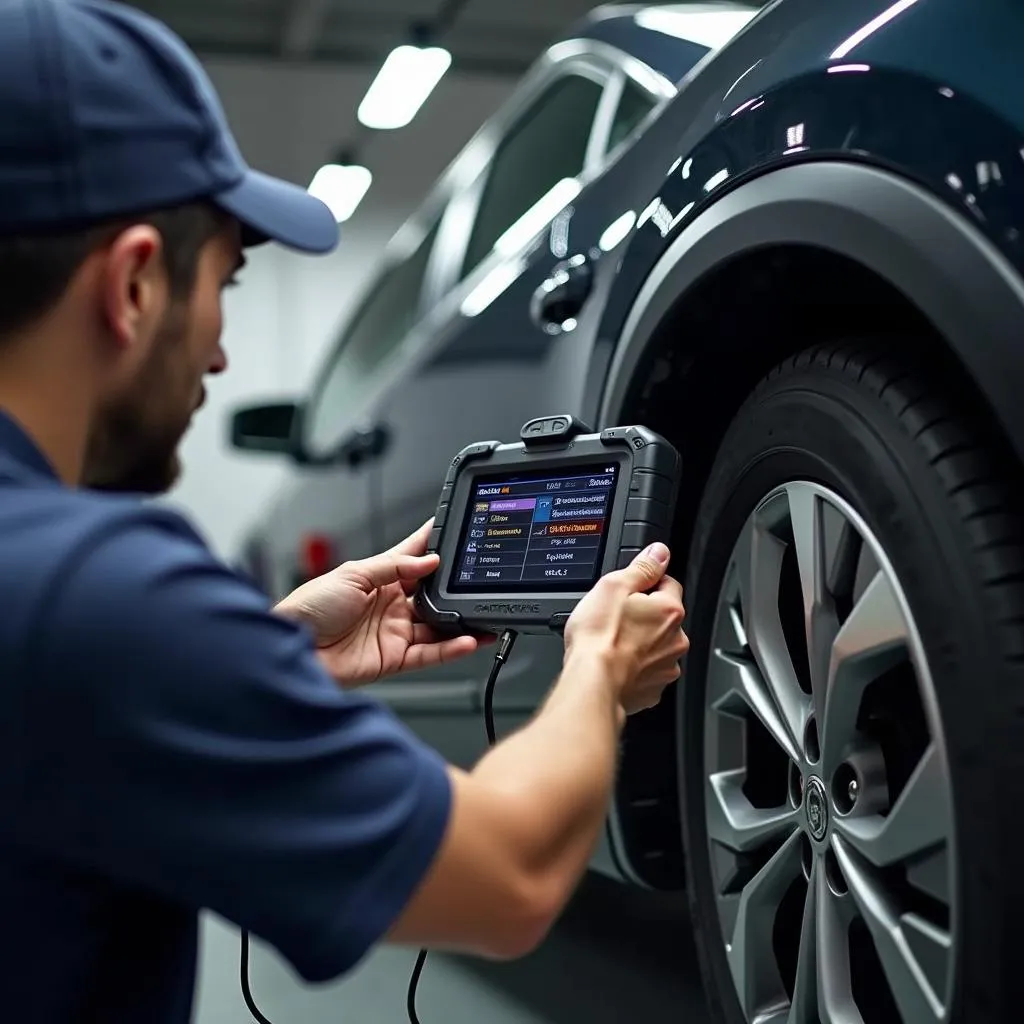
(618, 954)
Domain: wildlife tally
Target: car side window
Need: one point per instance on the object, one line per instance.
(634, 105)
(378, 327)
(546, 145)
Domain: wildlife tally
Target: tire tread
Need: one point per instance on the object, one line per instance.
(960, 451)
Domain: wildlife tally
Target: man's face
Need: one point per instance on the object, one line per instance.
(137, 431)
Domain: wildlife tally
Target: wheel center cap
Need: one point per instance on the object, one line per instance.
(816, 808)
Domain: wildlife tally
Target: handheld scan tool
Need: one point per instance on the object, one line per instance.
(524, 530)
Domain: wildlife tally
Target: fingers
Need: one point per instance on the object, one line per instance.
(433, 652)
(415, 543)
(671, 588)
(652, 689)
(647, 569)
(412, 570)
(391, 567)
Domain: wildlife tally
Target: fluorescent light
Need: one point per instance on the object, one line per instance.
(538, 216)
(341, 187)
(409, 75)
(709, 28)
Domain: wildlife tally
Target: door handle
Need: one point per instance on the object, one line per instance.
(365, 445)
(559, 300)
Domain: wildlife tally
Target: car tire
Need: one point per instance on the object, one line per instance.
(919, 625)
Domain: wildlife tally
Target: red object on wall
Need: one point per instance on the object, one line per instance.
(316, 555)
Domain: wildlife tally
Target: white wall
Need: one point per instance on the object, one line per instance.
(288, 121)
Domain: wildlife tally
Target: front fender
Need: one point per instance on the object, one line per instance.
(954, 170)
(942, 262)
(959, 149)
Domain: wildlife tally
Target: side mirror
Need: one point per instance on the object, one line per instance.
(265, 428)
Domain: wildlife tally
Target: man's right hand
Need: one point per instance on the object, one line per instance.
(631, 622)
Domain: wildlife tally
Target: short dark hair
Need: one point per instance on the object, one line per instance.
(35, 270)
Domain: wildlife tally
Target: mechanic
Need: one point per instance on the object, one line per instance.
(169, 742)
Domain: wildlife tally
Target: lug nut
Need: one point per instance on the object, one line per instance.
(861, 781)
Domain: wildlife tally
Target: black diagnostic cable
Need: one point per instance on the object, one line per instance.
(246, 990)
(505, 645)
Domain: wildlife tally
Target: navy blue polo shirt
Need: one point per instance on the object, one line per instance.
(168, 744)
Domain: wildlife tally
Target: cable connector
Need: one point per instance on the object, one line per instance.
(505, 645)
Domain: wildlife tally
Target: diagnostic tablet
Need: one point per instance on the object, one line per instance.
(524, 530)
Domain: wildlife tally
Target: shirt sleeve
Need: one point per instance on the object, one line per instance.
(186, 740)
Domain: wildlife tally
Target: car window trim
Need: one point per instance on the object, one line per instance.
(579, 67)
(563, 58)
(461, 214)
(653, 84)
(456, 193)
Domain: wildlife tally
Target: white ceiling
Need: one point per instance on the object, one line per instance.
(488, 36)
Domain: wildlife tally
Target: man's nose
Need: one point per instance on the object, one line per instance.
(219, 363)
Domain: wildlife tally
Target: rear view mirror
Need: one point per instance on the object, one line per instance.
(265, 428)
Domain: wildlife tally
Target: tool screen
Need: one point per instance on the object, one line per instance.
(537, 531)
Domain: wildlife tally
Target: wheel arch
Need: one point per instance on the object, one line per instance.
(798, 256)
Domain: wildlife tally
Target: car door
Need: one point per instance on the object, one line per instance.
(486, 368)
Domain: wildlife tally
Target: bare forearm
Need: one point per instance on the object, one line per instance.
(559, 771)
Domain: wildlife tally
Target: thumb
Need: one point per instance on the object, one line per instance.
(647, 569)
(382, 570)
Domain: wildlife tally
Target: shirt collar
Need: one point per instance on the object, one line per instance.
(16, 445)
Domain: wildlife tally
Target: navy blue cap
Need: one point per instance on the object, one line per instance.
(104, 113)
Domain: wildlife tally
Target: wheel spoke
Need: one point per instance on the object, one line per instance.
(821, 625)
(919, 822)
(749, 950)
(804, 1007)
(735, 823)
(832, 955)
(842, 574)
(904, 967)
(871, 641)
(736, 675)
(759, 556)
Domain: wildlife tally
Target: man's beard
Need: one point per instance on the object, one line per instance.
(131, 450)
(143, 466)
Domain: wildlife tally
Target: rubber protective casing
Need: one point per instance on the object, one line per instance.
(642, 511)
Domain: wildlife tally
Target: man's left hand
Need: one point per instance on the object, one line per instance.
(362, 616)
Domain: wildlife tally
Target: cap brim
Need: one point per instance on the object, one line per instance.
(274, 210)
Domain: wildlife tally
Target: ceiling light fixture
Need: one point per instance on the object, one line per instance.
(403, 84)
(342, 187)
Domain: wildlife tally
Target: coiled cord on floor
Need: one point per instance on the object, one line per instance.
(505, 644)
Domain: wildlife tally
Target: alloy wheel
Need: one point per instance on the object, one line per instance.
(827, 793)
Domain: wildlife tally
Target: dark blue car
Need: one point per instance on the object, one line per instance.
(790, 240)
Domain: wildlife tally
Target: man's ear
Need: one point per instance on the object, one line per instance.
(134, 284)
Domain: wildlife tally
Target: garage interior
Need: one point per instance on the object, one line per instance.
(291, 74)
